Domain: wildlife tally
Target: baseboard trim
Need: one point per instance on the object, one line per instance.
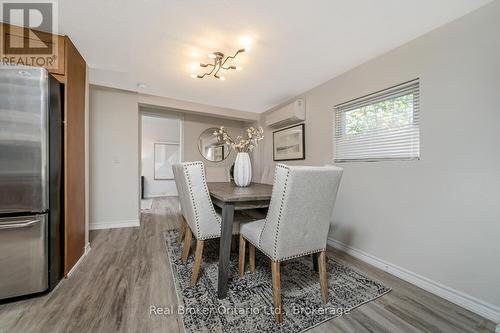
(152, 196)
(85, 253)
(471, 303)
(114, 224)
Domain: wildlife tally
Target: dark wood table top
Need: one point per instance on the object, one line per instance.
(229, 192)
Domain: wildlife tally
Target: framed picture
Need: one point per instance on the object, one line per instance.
(289, 143)
(166, 155)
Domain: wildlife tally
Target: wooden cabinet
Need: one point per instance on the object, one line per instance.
(74, 155)
(15, 37)
(70, 70)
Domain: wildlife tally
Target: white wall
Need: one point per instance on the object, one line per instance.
(114, 158)
(157, 129)
(438, 217)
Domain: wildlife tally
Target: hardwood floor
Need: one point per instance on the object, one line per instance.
(127, 272)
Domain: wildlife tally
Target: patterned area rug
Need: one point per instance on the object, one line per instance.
(248, 307)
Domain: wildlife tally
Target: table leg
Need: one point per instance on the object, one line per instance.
(225, 248)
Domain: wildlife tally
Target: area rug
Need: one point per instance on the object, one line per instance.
(248, 306)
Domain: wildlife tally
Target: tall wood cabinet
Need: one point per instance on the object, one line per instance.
(70, 71)
(74, 155)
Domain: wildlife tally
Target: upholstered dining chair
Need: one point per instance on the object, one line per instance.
(267, 177)
(296, 224)
(182, 197)
(202, 221)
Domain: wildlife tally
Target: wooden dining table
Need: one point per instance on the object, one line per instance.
(232, 198)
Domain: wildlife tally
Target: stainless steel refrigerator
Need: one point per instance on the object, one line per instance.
(30, 181)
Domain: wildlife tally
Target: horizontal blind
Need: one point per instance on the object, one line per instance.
(379, 126)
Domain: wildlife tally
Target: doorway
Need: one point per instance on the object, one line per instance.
(161, 147)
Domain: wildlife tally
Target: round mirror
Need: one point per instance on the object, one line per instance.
(211, 148)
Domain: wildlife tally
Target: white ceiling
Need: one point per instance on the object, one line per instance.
(296, 44)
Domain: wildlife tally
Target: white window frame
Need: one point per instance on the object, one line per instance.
(402, 143)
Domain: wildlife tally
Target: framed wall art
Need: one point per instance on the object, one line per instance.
(289, 143)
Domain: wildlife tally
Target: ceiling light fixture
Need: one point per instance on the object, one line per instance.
(219, 63)
(246, 42)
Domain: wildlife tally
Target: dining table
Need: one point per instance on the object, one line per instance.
(231, 198)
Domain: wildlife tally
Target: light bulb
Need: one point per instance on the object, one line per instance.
(194, 76)
(222, 78)
(239, 68)
(211, 56)
(194, 66)
(245, 41)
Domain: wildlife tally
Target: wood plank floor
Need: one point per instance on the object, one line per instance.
(127, 271)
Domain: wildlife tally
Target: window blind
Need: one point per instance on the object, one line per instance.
(383, 125)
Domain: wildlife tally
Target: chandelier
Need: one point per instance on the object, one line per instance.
(219, 63)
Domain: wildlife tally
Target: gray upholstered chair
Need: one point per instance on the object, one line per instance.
(182, 197)
(202, 221)
(267, 177)
(296, 224)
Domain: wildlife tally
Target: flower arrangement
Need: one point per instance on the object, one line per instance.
(244, 145)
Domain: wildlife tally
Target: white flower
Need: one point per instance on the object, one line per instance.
(243, 145)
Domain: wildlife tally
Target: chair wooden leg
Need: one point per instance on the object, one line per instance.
(182, 229)
(187, 244)
(241, 264)
(251, 257)
(275, 269)
(197, 262)
(323, 276)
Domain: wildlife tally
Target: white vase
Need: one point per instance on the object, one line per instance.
(242, 170)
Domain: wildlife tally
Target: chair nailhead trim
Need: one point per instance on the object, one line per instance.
(191, 195)
(270, 205)
(209, 237)
(280, 213)
(275, 247)
(286, 258)
(195, 208)
(208, 195)
(302, 254)
(261, 250)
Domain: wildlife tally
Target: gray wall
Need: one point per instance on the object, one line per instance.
(194, 125)
(440, 216)
(114, 158)
(114, 149)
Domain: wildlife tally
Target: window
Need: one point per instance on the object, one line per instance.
(380, 126)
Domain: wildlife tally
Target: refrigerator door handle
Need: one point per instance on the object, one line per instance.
(19, 224)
